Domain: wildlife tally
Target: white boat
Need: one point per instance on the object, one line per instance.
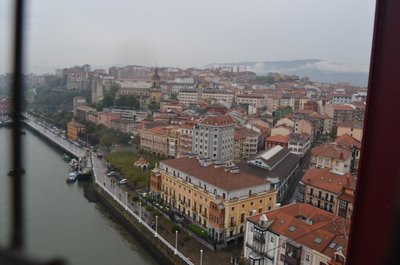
(72, 176)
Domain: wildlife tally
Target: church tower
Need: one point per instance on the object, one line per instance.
(155, 88)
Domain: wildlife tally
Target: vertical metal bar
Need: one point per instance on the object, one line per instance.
(374, 234)
(17, 233)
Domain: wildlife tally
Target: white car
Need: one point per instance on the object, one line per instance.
(112, 173)
(123, 181)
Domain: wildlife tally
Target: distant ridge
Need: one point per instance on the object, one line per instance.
(317, 70)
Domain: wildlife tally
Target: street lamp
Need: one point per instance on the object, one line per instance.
(201, 257)
(156, 225)
(126, 206)
(140, 212)
(176, 241)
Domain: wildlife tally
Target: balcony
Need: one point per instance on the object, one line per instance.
(290, 260)
(259, 238)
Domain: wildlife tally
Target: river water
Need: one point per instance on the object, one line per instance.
(60, 221)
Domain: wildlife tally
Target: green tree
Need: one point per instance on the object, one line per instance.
(128, 101)
(107, 139)
(108, 101)
(333, 133)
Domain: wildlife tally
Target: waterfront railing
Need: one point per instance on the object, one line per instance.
(139, 219)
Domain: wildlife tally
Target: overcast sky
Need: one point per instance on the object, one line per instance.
(186, 33)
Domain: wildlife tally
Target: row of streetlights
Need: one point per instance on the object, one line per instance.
(156, 224)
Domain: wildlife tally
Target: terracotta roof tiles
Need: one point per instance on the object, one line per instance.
(310, 226)
(325, 179)
(278, 138)
(348, 141)
(216, 176)
(217, 120)
(332, 150)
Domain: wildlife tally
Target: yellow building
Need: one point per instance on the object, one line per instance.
(216, 197)
(74, 129)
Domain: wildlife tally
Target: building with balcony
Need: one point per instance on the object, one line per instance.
(340, 113)
(299, 144)
(354, 145)
(329, 190)
(296, 234)
(332, 156)
(161, 139)
(185, 135)
(216, 197)
(245, 143)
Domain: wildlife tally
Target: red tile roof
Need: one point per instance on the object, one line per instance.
(141, 161)
(348, 141)
(326, 180)
(278, 138)
(343, 107)
(217, 120)
(332, 150)
(308, 224)
(215, 176)
(242, 133)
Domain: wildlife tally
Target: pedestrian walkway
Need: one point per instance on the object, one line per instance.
(187, 249)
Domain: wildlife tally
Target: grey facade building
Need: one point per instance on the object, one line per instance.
(213, 139)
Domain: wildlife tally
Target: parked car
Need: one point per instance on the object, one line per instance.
(123, 181)
(112, 173)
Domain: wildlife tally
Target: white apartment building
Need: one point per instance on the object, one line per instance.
(188, 96)
(296, 234)
(257, 101)
(299, 144)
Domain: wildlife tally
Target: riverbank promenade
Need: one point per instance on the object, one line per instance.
(53, 137)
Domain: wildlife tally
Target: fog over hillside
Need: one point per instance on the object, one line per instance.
(316, 70)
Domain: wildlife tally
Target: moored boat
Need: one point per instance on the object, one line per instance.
(72, 177)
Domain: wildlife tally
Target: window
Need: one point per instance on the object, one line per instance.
(242, 217)
(307, 257)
